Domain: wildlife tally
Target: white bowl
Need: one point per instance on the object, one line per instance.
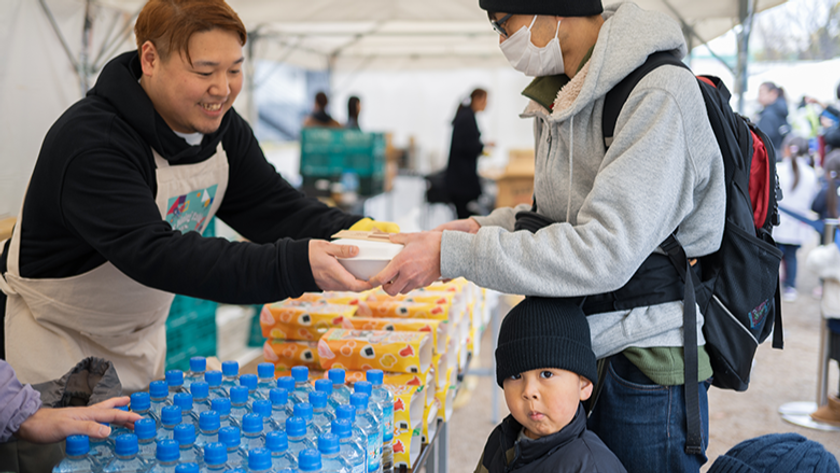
(372, 258)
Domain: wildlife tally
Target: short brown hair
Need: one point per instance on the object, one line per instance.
(169, 24)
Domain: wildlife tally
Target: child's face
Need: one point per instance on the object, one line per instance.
(545, 400)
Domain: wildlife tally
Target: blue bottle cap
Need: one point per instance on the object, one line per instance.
(208, 420)
(185, 433)
(230, 436)
(167, 451)
(336, 375)
(295, 426)
(189, 467)
(200, 390)
(215, 453)
(249, 381)
(262, 407)
(238, 394)
(77, 445)
(309, 460)
(318, 399)
(170, 415)
(183, 400)
(343, 428)
(122, 408)
(304, 409)
(230, 368)
(252, 423)
(140, 401)
(145, 428)
(221, 405)
(286, 382)
(265, 370)
(359, 400)
(346, 411)
(328, 444)
(175, 378)
(376, 377)
(126, 445)
(363, 387)
(278, 396)
(213, 378)
(324, 386)
(158, 389)
(198, 364)
(259, 459)
(276, 441)
(300, 374)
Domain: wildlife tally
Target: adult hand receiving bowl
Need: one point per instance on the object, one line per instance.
(329, 274)
(417, 265)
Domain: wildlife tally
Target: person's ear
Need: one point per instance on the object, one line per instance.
(149, 58)
(585, 388)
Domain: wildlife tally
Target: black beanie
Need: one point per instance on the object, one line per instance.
(544, 7)
(545, 333)
(776, 453)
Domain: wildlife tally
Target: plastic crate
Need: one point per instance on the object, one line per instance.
(327, 153)
(256, 339)
(190, 331)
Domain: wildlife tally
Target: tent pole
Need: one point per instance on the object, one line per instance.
(689, 32)
(84, 54)
(76, 66)
(746, 13)
(250, 84)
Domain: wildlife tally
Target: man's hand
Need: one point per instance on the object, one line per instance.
(329, 274)
(417, 265)
(468, 225)
(367, 225)
(49, 425)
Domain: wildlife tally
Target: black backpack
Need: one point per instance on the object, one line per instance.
(737, 288)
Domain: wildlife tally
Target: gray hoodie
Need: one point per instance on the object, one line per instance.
(663, 171)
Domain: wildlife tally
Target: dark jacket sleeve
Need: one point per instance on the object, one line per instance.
(17, 402)
(466, 139)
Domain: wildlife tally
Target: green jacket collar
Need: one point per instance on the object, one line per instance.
(543, 90)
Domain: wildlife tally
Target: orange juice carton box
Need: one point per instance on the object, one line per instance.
(434, 327)
(409, 407)
(430, 421)
(298, 320)
(403, 352)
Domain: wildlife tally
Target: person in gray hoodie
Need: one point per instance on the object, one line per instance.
(608, 208)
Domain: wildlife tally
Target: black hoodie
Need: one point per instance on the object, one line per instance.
(572, 449)
(92, 199)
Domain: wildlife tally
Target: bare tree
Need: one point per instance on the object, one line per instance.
(798, 29)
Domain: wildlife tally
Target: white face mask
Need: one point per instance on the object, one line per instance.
(531, 60)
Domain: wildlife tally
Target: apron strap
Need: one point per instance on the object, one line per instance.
(4, 286)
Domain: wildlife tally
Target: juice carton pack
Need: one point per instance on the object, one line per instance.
(286, 353)
(409, 407)
(403, 352)
(298, 320)
(436, 328)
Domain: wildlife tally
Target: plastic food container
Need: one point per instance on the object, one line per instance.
(372, 258)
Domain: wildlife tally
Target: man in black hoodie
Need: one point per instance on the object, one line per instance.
(126, 181)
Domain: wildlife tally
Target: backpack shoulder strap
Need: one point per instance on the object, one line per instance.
(615, 98)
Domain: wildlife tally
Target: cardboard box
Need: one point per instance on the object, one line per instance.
(516, 184)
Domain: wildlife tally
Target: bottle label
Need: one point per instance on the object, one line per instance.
(360, 468)
(374, 451)
(388, 423)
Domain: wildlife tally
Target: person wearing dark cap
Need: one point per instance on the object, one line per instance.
(776, 453)
(602, 208)
(545, 364)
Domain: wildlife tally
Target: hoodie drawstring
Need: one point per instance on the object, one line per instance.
(571, 167)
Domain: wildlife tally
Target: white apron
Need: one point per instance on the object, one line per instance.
(52, 324)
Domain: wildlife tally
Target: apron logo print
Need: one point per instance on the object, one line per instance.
(189, 212)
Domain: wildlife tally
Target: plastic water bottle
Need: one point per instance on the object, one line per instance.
(302, 386)
(375, 409)
(200, 391)
(185, 402)
(330, 448)
(252, 431)
(145, 430)
(250, 381)
(309, 460)
(288, 383)
(77, 459)
(175, 384)
(157, 394)
(305, 412)
(141, 403)
(214, 385)
(358, 437)
(126, 459)
(263, 408)
(170, 416)
(341, 393)
(296, 433)
(101, 450)
(368, 424)
(117, 429)
(278, 444)
(352, 453)
(198, 365)
(265, 379)
(321, 417)
(385, 400)
(167, 456)
(326, 386)
(230, 375)
(222, 406)
(237, 456)
(208, 428)
(215, 458)
(238, 404)
(185, 436)
(188, 467)
(259, 460)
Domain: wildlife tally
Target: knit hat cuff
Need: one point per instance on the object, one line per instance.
(727, 464)
(525, 354)
(544, 7)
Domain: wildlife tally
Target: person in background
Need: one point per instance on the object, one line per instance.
(799, 185)
(461, 180)
(772, 119)
(319, 116)
(825, 202)
(830, 121)
(354, 105)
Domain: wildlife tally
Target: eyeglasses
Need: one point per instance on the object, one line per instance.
(497, 24)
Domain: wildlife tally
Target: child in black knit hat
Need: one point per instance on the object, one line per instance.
(545, 364)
